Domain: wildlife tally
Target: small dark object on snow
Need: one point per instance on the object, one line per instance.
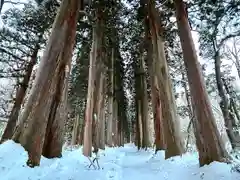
(95, 151)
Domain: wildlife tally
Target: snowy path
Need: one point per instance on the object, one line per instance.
(117, 164)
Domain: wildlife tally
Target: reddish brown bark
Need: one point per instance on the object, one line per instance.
(172, 136)
(110, 101)
(159, 140)
(101, 119)
(115, 123)
(156, 103)
(21, 92)
(210, 148)
(95, 70)
(54, 133)
(97, 111)
(57, 55)
(87, 139)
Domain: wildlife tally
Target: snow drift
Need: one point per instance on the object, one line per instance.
(117, 163)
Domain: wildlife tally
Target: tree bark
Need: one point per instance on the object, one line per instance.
(57, 55)
(225, 104)
(21, 93)
(95, 70)
(139, 124)
(87, 139)
(101, 114)
(97, 110)
(232, 103)
(159, 136)
(144, 102)
(75, 131)
(173, 141)
(115, 128)
(155, 96)
(210, 148)
(53, 142)
(110, 102)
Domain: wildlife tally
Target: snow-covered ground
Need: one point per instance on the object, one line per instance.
(116, 164)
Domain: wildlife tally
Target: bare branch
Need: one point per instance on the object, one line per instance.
(15, 3)
(228, 37)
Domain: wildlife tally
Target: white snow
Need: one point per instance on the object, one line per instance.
(124, 163)
(1, 23)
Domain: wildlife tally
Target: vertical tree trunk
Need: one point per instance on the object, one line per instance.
(95, 70)
(21, 92)
(81, 135)
(139, 116)
(232, 102)
(115, 123)
(144, 101)
(98, 107)
(54, 133)
(87, 141)
(155, 95)
(157, 110)
(75, 131)
(189, 104)
(1, 5)
(110, 101)
(101, 115)
(56, 56)
(173, 141)
(225, 104)
(210, 148)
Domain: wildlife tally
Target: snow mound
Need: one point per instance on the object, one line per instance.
(124, 163)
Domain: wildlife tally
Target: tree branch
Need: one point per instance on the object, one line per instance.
(228, 37)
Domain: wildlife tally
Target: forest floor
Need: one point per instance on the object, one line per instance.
(125, 163)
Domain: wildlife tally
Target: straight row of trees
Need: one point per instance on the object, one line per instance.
(103, 64)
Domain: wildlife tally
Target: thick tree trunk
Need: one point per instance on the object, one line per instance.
(21, 92)
(115, 123)
(173, 141)
(87, 141)
(56, 56)
(95, 70)
(155, 96)
(54, 133)
(101, 114)
(159, 139)
(138, 125)
(210, 148)
(144, 101)
(225, 104)
(110, 102)
(97, 109)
